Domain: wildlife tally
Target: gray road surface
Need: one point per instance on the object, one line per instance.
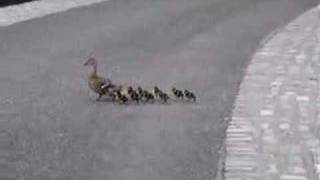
(51, 127)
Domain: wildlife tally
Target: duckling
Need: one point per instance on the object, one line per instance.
(140, 91)
(149, 97)
(157, 91)
(143, 94)
(164, 97)
(118, 88)
(96, 83)
(135, 97)
(178, 93)
(121, 97)
(133, 94)
(190, 95)
(130, 90)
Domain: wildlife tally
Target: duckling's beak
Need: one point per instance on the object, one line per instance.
(86, 63)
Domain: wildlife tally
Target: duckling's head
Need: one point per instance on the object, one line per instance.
(91, 62)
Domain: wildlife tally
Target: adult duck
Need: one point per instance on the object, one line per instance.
(96, 83)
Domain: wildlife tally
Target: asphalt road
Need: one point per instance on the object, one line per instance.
(51, 126)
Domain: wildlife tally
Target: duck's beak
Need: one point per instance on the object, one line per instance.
(86, 63)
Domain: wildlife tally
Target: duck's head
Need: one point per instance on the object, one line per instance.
(91, 62)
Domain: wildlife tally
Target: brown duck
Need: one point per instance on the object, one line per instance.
(96, 83)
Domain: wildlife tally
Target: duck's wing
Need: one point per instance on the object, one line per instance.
(106, 84)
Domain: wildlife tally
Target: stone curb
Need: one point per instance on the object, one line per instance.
(273, 130)
(22, 12)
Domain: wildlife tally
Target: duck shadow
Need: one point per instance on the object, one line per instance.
(155, 102)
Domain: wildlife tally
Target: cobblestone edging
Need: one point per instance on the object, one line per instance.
(274, 130)
(26, 11)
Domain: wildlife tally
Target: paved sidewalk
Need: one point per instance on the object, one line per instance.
(35, 9)
(275, 128)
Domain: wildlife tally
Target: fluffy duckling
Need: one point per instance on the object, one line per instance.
(148, 97)
(140, 91)
(96, 83)
(157, 91)
(177, 93)
(133, 95)
(121, 97)
(130, 90)
(190, 95)
(164, 97)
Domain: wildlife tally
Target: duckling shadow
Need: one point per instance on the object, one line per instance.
(109, 100)
(183, 101)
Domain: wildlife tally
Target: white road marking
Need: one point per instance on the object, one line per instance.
(17, 13)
